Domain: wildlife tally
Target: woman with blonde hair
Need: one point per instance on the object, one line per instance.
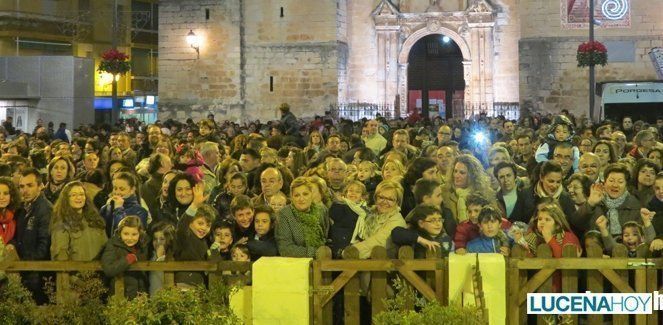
(381, 219)
(314, 145)
(465, 176)
(393, 170)
(303, 224)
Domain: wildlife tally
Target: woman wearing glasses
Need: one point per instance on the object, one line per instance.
(78, 232)
(382, 219)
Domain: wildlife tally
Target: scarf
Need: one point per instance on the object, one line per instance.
(462, 194)
(542, 193)
(375, 220)
(313, 234)
(360, 226)
(613, 215)
(7, 226)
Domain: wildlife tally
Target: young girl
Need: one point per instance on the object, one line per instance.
(263, 243)
(550, 227)
(191, 244)
(126, 247)
(240, 253)
(278, 201)
(163, 238)
(348, 217)
(560, 131)
(426, 221)
(123, 201)
(366, 173)
(222, 230)
(9, 204)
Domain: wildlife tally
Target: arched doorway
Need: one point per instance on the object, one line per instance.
(435, 76)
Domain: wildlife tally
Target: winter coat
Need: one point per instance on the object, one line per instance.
(188, 247)
(85, 245)
(523, 209)
(381, 236)
(467, 231)
(342, 227)
(151, 192)
(114, 262)
(483, 244)
(656, 205)
(263, 246)
(113, 215)
(628, 211)
(290, 233)
(408, 237)
(33, 238)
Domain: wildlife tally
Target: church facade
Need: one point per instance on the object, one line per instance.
(467, 56)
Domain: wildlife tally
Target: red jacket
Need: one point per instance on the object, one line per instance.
(467, 230)
(569, 239)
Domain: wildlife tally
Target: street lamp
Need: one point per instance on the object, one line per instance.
(194, 41)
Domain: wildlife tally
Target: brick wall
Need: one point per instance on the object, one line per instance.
(244, 44)
(549, 77)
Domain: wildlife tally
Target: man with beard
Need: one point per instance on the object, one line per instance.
(153, 137)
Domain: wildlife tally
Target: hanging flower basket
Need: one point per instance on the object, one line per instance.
(592, 53)
(114, 62)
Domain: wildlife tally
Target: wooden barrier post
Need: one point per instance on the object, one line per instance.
(516, 279)
(436, 279)
(406, 253)
(118, 285)
(543, 251)
(620, 251)
(379, 283)
(594, 281)
(351, 291)
(322, 314)
(62, 287)
(570, 277)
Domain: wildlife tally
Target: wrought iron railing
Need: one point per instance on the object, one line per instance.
(358, 111)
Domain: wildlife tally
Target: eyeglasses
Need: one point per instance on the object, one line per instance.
(386, 198)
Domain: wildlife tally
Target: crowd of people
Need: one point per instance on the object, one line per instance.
(222, 191)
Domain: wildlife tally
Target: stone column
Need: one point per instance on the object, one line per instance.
(481, 72)
(387, 77)
(402, 89)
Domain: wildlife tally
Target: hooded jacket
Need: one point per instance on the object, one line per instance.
(114, 262)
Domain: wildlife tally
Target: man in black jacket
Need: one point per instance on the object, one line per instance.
(517, 203)
(33, 239)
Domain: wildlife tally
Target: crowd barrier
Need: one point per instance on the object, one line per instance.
(430, 277)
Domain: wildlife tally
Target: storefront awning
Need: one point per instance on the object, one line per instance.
(632, 92)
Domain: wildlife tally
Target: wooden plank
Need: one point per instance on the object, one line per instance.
(619, 283)
(418, 283)
(578, 263)
(118, 285)
(534, 283)
(513, 290)
(381, 265)
(640, 286)
(544, 251)
(336, 286)
(351, 297)
(72, 266)
(594, 278)
(405, 255)
(620, 251)
(168, 279)
(322, 253)
(570, 277)
(62, 287)
(379, 285)
(652, 285)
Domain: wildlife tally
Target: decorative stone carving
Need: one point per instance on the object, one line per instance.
(480, 6)
(385, 8)
(433, 26)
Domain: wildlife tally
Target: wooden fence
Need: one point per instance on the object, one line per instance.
(63, 271)
(429, 277)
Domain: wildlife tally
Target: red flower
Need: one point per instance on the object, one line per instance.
(115, 62)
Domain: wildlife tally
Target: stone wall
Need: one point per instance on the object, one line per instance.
(549, 77)
(255, 54)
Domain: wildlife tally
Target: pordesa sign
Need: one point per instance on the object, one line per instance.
(593, 303)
